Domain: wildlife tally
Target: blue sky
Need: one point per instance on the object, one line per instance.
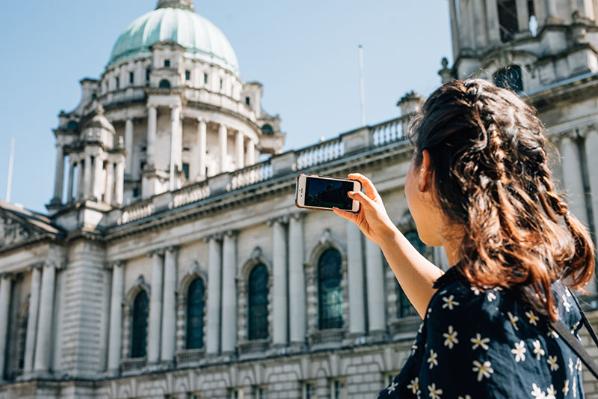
(304, 52)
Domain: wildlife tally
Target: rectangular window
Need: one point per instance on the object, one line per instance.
(309, 391)
(166, 63)
(117, 83)
(205, 78)
(147, 74)
(221, 84)
(131, 77)
(186, 170)
(257, 392)
(187, 75)
(337, 389)
(248, 101)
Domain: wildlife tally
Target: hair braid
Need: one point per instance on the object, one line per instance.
(492, 177)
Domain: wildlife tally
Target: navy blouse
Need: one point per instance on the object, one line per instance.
(476, 343)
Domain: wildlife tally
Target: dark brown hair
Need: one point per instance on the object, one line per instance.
(491, 176)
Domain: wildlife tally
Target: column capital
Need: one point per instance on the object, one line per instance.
(114, 264)
(202, 119)
(585, 131)
(171, 248)
(232, 233)
(214, 236)
(55, 263)
(8, 276)
(297, 216)
(37, 265)
(277, 219)
(157, 251)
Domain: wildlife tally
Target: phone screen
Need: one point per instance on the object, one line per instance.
(328, 193)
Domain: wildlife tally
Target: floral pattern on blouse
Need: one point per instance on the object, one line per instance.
(475, 343)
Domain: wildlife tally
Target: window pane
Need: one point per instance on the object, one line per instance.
(258, 303)
(330, 295)
(140, 314)
(195, 314)
(509, 78)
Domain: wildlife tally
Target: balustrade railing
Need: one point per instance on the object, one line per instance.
(250, 175)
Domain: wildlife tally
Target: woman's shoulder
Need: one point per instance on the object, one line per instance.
(457, 299)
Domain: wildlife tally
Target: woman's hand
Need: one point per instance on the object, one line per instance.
(372, 219)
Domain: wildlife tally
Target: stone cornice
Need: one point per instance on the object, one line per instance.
(263, 190)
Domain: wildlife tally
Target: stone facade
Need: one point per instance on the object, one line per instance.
(159, 182)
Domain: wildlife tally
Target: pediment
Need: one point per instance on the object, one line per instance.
(19, 226)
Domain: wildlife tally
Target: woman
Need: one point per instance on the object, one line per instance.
(479, 184)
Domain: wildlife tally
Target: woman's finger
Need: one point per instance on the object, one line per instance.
(363, 199)
(367, 184)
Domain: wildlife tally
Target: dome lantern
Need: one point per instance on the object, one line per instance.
(184, 4)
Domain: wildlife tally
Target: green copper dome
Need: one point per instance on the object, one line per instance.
(201, 38)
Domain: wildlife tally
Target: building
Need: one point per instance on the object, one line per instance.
(173, 263)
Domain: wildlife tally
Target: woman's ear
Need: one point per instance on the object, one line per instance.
(424, 175)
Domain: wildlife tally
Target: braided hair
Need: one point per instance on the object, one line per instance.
(489, 160)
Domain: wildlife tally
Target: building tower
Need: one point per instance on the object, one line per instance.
(546, 50)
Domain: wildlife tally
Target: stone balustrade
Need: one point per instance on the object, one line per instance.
(369, 137)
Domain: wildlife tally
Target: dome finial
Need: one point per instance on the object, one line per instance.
(184, 4)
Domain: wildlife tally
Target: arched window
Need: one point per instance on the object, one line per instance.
(258, 303)
(267, 129)
(195, 314)
(330, 295)
(164, 84)
(139, 328)
(404, 306)
(510, 78)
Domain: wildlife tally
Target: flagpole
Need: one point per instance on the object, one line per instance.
(361, 85)
(11, 160)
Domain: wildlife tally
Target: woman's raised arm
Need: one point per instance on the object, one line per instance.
(414, 272)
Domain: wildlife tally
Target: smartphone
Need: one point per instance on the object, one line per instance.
(317, 192)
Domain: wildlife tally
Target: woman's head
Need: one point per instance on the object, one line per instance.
(480, 173)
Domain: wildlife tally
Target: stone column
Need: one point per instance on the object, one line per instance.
(169, 307)
(355, 280)
(279, 283)
(454, 27)
(465, 24)
(97, 177)
(43, 345)
(32, 320)
(239, 150)
(129, 144)
(59, 174)
(119, 183)
(109, 189)
(551, 10)
(250, 152)
(572, 177)
(229, 292)
(155, 317)
(152, 122)
(114, 349)
(214, 280)
(591, 149)
(479, 28)
(222, 148)
(175, 146)
(522, 15)
(297, 278)
(69, 193)
(375, 284)
(80, 180)
(202, 148)
(5, 296)
(492, 22)
(87, 177)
